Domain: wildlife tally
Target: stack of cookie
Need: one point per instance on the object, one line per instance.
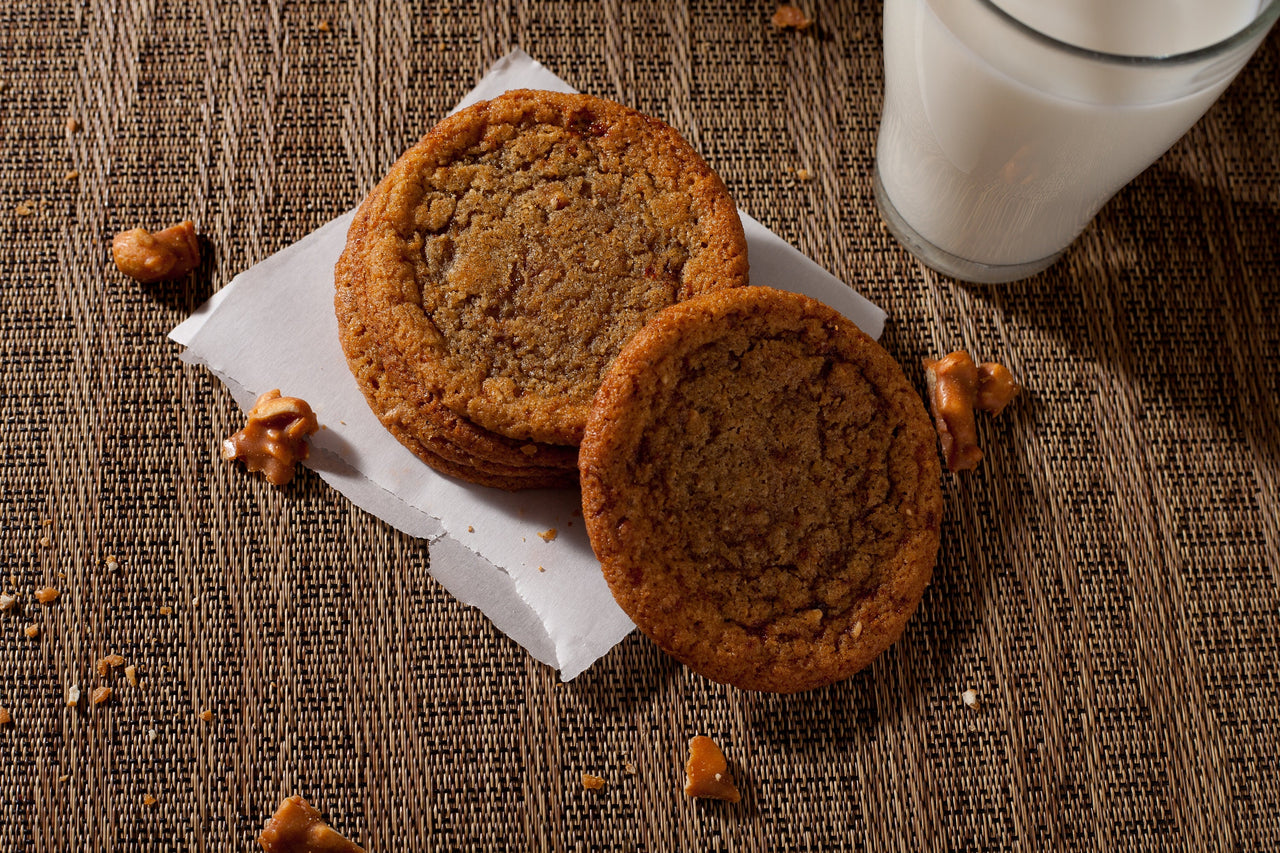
(492, 277)
(759, 479)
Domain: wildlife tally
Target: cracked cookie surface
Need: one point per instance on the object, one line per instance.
(761, 486)
(506, 259)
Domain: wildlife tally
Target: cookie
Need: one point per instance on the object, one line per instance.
(506, 259)
(760, 484)
(416, 416)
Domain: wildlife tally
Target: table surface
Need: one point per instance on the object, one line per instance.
(1108, 579)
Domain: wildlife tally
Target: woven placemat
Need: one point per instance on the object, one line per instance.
(1108, 581)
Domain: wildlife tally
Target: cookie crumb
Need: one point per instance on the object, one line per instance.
(45, 542)
(470, 529)
(970, 699)
(8, 600)
(206, 715)
(789, 17)
(71, 175)
(47, 595)
(148, 800)
(630, 767)
(548, 535)
(25, 209)
(111, 562)
(105, 665)
(707, 772)
(64, 777)
(541, 569)
(151, 734)
(324, 26)
(166, 610)
(592, 782)
(804, 174)
(73, 696)
(100, 695)
(131, 673)
(5, 719)
(74, 125)
(32, 631)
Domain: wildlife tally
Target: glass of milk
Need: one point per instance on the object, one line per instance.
(1007, 124)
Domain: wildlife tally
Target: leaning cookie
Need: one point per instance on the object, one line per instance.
(760, 484)
(506, 259)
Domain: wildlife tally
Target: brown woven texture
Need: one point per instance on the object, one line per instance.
(1109, 581)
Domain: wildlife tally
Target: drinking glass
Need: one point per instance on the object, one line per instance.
(999, 141)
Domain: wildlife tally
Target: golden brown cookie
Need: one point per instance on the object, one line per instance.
(505, 260)
(412, 413)
(760, 483)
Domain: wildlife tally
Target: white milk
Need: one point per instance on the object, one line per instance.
(1006, 171)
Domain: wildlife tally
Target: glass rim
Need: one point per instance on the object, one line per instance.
(1259, 25)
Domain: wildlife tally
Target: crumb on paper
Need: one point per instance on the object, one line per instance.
(5, 719)
(707, 772)
(592, 782)
(297, 827)
(166, 610)
(100, 695)
(162, 256)
(804, 174)
(8, 600)
(542, 569)
(32, 631)
(131, 674)
(74, 125)
(970, 699)
(206, 715)
(108, 663)
(148, 800)
(788, 17)
(47, 595)
(73, 696)
(274, 438)
(548, 535)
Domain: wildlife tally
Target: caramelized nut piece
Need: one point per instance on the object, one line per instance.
(707, 773)
(789, 17)
(275, 438)
(298, 828)
(167, 254)
(996, 388)
(953, 388)
(957, 387)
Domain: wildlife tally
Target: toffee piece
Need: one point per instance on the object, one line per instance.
(164, 255)
(297, 827)
(760, 484)
(506, 259)
(706, 772)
